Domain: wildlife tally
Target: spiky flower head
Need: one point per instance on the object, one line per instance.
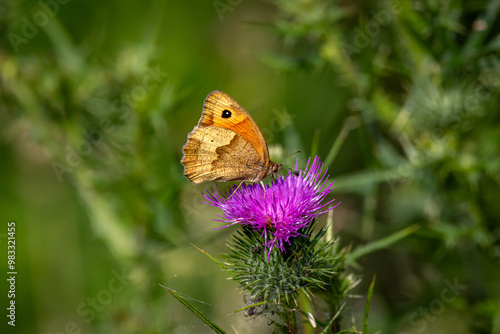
(279, 210)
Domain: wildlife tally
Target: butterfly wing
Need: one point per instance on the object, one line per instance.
(217, 153)
(223, 111)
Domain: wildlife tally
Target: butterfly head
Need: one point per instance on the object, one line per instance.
(266, 169)
(275, 168)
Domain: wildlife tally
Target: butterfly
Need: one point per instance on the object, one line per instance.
(226, 145)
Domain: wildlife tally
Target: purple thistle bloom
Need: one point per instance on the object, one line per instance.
(278, 210)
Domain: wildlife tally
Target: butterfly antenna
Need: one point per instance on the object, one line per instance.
(288, 156)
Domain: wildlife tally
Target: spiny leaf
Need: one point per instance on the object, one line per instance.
(193, 309)
(217, 262)
(367, 305)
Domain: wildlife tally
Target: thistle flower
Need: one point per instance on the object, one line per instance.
(280, 210)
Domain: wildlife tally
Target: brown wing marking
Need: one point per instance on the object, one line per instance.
(215, 153)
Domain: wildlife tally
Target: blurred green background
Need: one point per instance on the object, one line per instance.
(399, 98)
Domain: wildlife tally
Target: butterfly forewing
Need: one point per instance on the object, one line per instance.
(226, 144)
(222, 110)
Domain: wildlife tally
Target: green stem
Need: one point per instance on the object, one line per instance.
(335, 326)
(291, 321)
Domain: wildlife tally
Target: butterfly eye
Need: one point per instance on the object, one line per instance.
(226, 114)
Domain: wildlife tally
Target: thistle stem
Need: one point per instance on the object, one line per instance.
(291, 321)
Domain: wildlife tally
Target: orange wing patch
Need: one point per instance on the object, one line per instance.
(221, 110)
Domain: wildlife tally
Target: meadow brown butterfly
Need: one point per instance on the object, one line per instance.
(226, 144)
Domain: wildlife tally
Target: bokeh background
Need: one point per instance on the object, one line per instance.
(399, 98)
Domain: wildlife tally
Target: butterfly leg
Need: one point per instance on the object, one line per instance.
(264, 187)
(238, 187)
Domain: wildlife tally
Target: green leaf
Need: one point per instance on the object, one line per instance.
(315, 143)
(330, 323)
(367, 305)
(193, 309)
(350, 124)
(380, 244)
(214, 260)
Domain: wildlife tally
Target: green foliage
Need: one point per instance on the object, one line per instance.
(423, 81)
(310, 265)
(193, 309)
(367, 305)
